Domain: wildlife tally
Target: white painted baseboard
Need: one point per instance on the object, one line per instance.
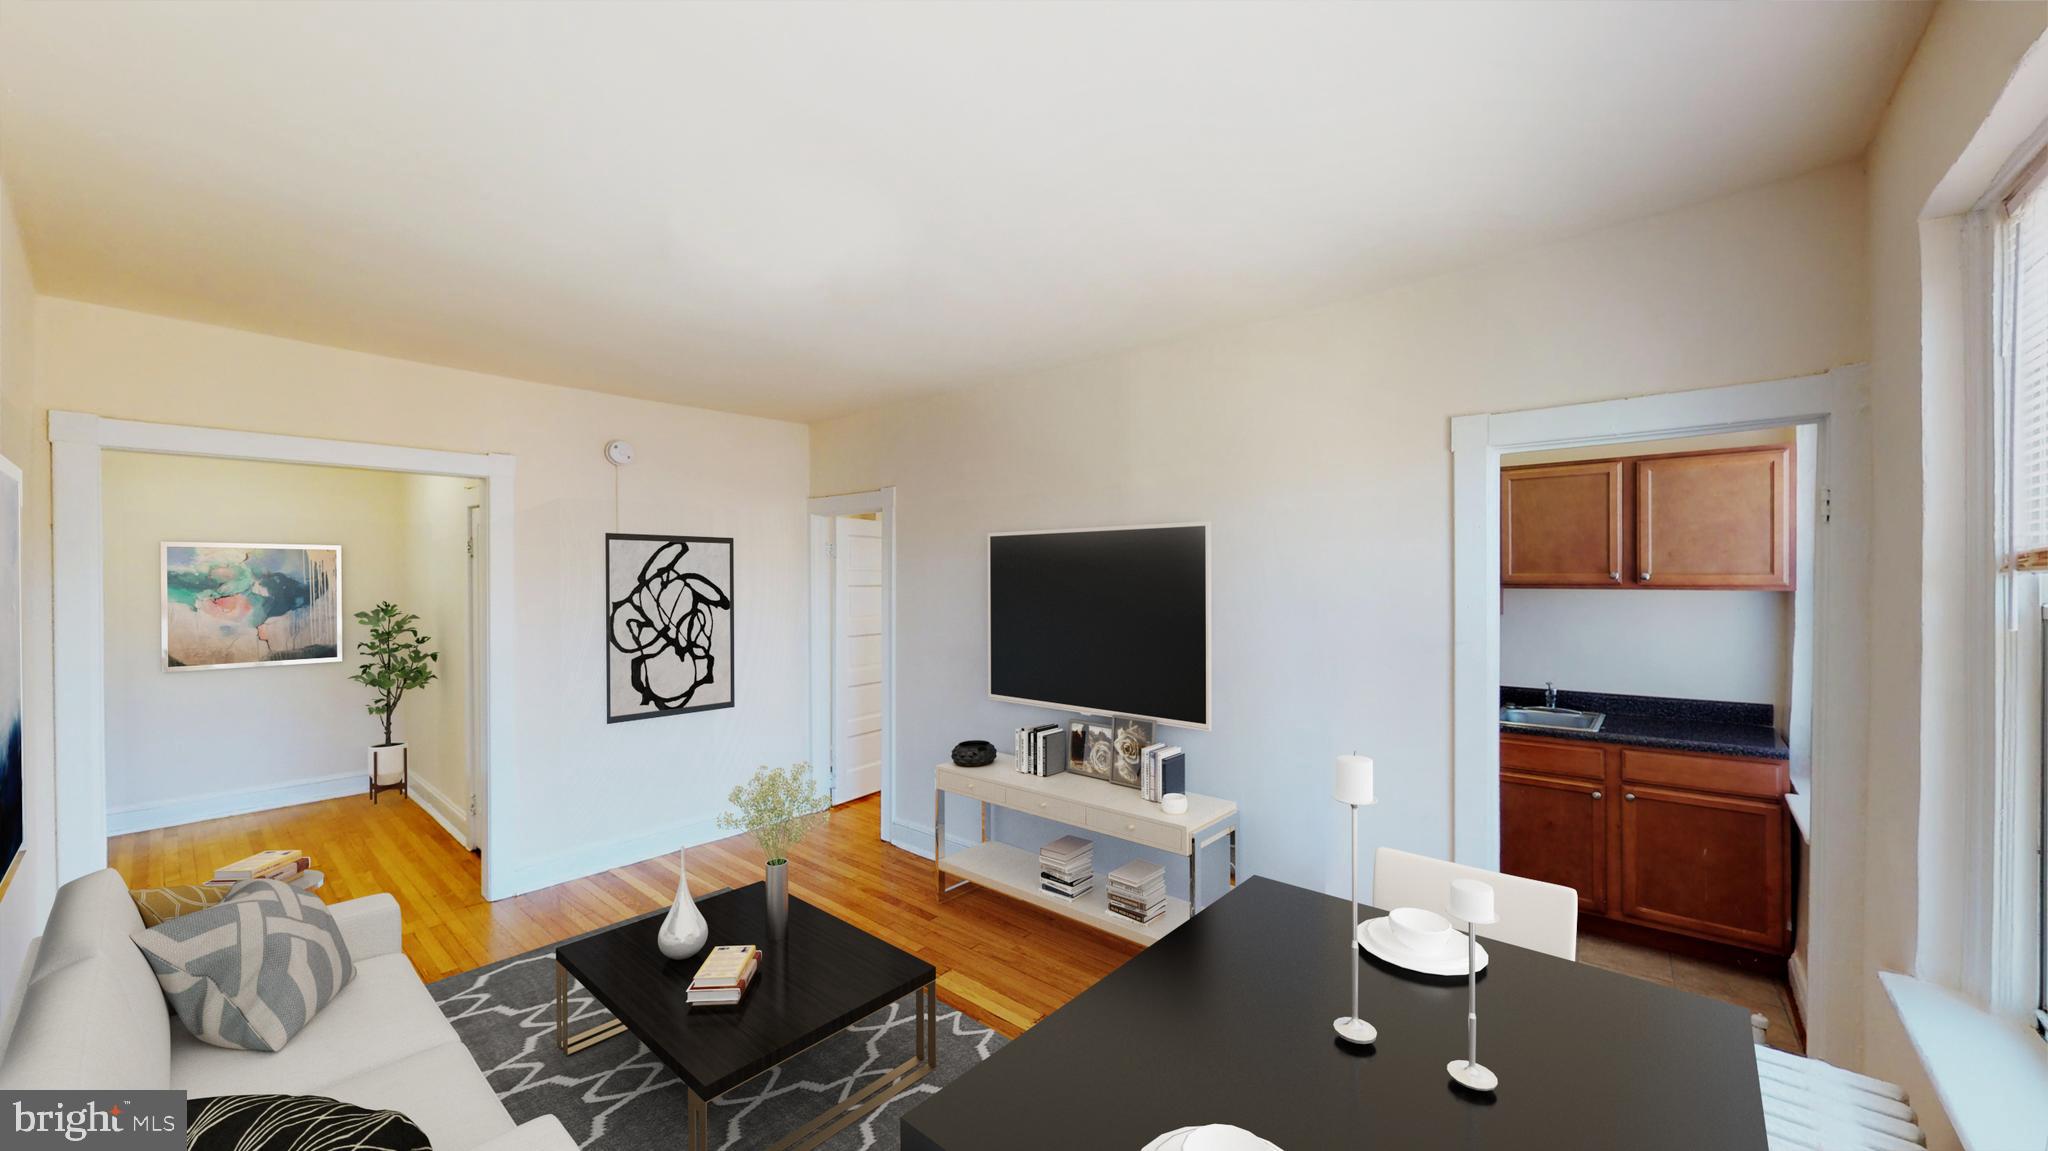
(453, 818)
(916, 838)
(172, 813)
(1795, 978)
(590, 859)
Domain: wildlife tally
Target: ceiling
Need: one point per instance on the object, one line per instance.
(803, 210)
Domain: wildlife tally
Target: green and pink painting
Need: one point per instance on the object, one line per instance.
(240, 605)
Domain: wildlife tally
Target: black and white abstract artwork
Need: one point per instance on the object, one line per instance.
(668, 641)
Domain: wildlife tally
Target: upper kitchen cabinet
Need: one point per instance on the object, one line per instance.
(1702, 520)
(1561, 524)
(1715, 520)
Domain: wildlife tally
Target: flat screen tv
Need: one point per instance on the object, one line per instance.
(1103, 621)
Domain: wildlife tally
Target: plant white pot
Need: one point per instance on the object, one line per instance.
(387, 764)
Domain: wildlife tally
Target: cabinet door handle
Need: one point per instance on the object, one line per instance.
(1596, 795)
(1615, 575)
(1629, 795)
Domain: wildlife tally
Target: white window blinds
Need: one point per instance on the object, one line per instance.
(2023, 344)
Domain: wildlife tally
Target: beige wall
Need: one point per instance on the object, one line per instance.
(253, 738)
(1917, 614)
(1317, 447)
(697, 472)
(435, 514)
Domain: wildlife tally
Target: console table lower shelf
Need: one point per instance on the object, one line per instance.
(1094, 807)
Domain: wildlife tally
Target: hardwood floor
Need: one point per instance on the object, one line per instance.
(1002, 962)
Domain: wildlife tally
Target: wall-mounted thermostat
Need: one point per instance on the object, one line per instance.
(619, 452)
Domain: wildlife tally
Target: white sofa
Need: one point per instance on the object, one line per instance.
(92, 1016)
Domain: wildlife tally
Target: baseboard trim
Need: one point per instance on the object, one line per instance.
(596, 857)
(1795, 979)
(173, 813)
(453, 820)
(916, 838)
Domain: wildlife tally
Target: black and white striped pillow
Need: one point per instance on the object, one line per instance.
(295, 1123)
(251, 972)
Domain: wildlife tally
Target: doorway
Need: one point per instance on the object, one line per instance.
(853, 671)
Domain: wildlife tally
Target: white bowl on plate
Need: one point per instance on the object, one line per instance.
(1420, 930)
(1210, 1137)
(1376, 936)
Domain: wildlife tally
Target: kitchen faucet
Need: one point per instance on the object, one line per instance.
(1550, 695)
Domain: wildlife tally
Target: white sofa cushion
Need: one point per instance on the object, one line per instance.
(92, 914)
(384, 1014)
(439, 1089)
(77, 1029)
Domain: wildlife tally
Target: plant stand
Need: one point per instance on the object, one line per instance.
(404, 771)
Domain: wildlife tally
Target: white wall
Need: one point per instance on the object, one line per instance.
(1317, 445)
(266, 737)
(1725, 645)
(435, 719)
(595, 795)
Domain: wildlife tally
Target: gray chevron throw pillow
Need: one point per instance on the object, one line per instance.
(252, 971)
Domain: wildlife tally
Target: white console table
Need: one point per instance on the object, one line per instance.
(1090, 804)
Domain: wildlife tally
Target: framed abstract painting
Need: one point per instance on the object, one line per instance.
(668, 620)
(11, 811)
(248, 605)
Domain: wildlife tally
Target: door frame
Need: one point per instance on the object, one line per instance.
(1836, 404)
(826, 509)
(78, 607)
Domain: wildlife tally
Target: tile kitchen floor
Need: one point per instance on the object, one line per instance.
(1759, 994)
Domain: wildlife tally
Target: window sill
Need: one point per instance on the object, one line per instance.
(1990, 1074)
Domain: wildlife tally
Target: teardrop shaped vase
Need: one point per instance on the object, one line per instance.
(684, 931)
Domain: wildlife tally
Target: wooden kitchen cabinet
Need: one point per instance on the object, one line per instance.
(1705, 865)
(1555, 830)
(1561, 525)
(1715, 519)
(1675, 842)
(1700, 520)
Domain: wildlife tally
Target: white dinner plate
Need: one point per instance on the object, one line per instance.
(1377, 937)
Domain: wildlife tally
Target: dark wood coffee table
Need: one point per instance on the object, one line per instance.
(826, 975)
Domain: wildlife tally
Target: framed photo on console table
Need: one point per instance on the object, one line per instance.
(669, 623)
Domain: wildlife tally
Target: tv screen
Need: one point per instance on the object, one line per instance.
(1111, 621)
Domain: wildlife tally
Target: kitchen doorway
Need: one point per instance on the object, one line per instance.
(853, 667)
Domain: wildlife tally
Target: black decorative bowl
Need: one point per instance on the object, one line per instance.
(974, 753)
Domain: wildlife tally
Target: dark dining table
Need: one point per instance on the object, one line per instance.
(1228, 1020)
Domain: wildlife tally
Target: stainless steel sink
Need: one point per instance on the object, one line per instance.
(1554, 718)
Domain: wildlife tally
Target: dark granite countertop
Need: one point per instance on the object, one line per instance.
(1709, 727)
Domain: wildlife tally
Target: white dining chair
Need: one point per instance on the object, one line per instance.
(1533, 914)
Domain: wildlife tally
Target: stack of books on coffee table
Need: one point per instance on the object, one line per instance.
(1066, 867)
(1137, 891)
(279, 863)
(723, 978)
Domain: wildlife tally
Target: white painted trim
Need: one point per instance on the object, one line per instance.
(1795, 981)
(882, 500)
(430, 799)
(1990, 1073)
(823, 530)
(916, 838)
(1836, 402)
(592, 858)
(192, 809)
(78, 605)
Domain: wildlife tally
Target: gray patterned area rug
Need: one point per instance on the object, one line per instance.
(618, 1096)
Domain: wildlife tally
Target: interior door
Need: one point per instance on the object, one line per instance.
(857, 659)
(1561, 525)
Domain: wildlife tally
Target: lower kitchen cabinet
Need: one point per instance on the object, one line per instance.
(1555, 830)
(1696, 845)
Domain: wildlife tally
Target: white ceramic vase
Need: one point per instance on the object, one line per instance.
(684, 931)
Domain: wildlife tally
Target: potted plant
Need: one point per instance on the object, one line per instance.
(399, 662)
(778, 806)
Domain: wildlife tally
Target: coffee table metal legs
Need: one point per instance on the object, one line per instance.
(571, 1044)
(923, 1061)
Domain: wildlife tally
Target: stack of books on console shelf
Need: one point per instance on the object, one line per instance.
(280, 863)
(724, 977)
(1137, 891)
(1066, 867)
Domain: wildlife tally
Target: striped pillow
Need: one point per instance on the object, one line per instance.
(251, 972)
(160, 903)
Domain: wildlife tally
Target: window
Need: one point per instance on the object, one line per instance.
(2020, 338)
